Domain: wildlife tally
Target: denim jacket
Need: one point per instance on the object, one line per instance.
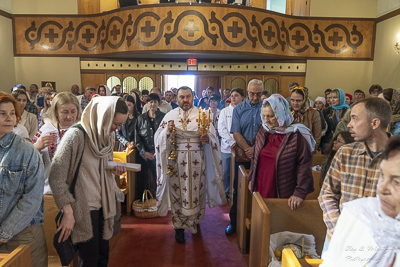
(21, 186)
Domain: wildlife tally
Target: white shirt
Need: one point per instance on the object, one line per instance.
(164, 107)
(21, 131)
(224, 128)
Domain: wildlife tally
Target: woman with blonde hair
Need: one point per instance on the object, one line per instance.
(64, 112)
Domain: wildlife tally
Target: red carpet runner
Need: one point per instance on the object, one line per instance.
(151, 242)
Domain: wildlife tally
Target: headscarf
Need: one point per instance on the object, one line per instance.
(321, 99)
(395, 105)
(298, 115)
(108, 92)
(97, 119)
(349, 96)
(285, 120)
(342, 97)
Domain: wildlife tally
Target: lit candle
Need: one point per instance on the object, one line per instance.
(209, 112)
(198, 121)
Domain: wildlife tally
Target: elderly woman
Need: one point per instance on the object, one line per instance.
(146, 126)
(21, 172)
(303, 113)
(334, 114)
(287, 146)
(29, 120)
(64, 112)
(89, 215)
(367, 232)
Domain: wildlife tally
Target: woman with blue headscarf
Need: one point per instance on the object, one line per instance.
(333, 115)
(281, 166)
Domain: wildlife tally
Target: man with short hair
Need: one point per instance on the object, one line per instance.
(117, 89)
(227, 141)
(168, 95)
(358, 95)
(246, 119)
(291, 87)
(189, 167)
(164, 107)
(84, 98)
(227, 93)
(354, 170)
(75, 89)
(375, 90)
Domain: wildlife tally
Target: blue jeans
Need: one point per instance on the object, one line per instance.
(226, 167)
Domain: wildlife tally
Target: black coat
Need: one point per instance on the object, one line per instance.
(144, 135)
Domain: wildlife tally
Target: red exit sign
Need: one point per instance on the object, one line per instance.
(192, 62)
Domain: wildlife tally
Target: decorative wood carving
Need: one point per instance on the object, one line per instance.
(201, 28)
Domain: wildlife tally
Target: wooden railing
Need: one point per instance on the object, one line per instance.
(196, 28)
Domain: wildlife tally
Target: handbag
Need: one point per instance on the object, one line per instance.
(66, 250)
(240, 155)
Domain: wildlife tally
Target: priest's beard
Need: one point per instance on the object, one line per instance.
(186, 106)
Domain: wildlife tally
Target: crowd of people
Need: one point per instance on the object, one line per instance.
(184, 146)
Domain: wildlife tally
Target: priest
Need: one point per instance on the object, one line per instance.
(189, 166)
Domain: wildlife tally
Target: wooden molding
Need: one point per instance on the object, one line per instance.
(389, 15)
(197, 28)
(5, 14)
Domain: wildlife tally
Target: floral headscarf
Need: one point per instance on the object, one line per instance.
(285, 119)
(298, 115)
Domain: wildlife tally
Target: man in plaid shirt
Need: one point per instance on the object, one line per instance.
(354, 171)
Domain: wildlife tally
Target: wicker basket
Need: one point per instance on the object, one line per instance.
(147, 209)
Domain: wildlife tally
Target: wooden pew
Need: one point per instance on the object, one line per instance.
(243, 222)
(317, 175)
(21, 256)
(318, 159)
(270, 216)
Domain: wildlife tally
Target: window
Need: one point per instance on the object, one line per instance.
(277, 6)
(129, 84)
(146, 83)
(113, 81)
(179, 80)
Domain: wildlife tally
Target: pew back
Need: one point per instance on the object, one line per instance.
(271, 216)
(317, 185)
(21, 256)
(243, 209)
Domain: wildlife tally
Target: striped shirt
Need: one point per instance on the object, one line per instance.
(353, 174)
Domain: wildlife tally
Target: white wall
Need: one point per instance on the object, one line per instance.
(346, 75)
(7, 69)
(44, 6)
(386, 6)
(344, 8)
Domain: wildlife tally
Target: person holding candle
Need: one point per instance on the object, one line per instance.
(196, 175)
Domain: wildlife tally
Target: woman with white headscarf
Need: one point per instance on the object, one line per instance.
(281, 166)
(89, 216)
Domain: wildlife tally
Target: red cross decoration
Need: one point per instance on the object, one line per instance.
(201, 186)
(158, 149)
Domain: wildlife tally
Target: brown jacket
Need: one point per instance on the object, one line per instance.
(312, 120)
(293, 165)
